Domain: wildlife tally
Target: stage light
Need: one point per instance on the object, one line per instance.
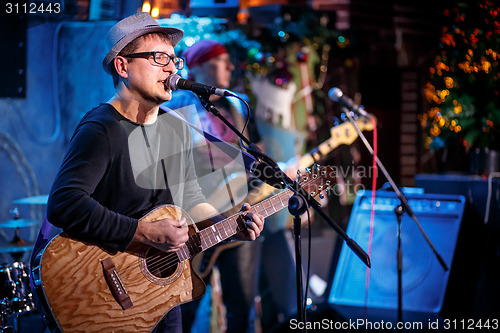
(155, 12)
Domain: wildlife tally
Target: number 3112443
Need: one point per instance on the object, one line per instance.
(32, 8)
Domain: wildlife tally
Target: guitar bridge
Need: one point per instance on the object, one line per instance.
(115, 284)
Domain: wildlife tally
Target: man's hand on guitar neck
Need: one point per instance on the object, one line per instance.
(169, 235)
(165, 234)
(255, 223)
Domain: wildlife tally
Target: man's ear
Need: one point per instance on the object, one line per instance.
(121, 66)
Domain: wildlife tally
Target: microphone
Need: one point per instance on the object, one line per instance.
(336, 95)
(175, 82)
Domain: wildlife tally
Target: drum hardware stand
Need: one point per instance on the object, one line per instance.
(17, 241)
(19, 301)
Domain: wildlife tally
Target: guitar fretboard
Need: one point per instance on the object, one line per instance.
(230, 226)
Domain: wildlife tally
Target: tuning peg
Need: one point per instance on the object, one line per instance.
(308, 170)
(321, 196)
(316, 166)
(336, 121)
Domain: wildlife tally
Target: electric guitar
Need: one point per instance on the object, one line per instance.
(85, 288)
(340, 134)
(238, 182)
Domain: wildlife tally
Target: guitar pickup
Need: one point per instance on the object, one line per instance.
(115, 284)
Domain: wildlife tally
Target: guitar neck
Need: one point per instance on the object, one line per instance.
(341, 134)
(230, 226)
(307, 160)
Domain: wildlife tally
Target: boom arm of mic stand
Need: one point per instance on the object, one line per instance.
(252, 148)
(294, 186)
(360, 253)
(400, 195)
(211, 108)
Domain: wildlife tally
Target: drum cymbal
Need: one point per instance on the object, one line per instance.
(17, 223)
(12, 248)
(37, 200)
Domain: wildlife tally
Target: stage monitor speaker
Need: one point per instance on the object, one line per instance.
(424, 281)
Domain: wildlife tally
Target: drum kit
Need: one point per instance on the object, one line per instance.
(16, 297)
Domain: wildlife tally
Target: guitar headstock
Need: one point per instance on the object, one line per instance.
(346, 134)
(317, 180)
(364, 123)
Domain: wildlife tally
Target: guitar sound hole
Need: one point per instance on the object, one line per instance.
(161, 264)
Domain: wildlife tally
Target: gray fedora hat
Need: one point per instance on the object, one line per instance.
(129, 29)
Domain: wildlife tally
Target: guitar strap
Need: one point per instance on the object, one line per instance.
(41, 241)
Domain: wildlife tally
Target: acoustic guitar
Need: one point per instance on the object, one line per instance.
(86, 288)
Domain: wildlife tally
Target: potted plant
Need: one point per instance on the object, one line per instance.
(463, 87)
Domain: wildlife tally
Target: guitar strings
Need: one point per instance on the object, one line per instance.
(161, 258)
(260, 209)
(164, 261)
(170, 261)
(169, 264)
(153, 259)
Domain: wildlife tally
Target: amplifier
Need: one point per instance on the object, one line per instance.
(424, 280)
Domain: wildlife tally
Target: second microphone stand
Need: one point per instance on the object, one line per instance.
(400, 210)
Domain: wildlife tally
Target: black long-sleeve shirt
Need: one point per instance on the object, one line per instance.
(116, 170)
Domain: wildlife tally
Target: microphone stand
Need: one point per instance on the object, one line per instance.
(400, 210)
(400, 195)
(297, 206)
(399, 258)
(294, 201)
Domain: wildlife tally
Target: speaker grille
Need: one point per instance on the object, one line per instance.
(423, 279)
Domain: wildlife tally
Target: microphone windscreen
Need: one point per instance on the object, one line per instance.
(172, 81)
(335, 94)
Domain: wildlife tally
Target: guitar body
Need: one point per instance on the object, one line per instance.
(70, 278)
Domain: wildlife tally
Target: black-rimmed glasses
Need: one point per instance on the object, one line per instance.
(161, 58)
